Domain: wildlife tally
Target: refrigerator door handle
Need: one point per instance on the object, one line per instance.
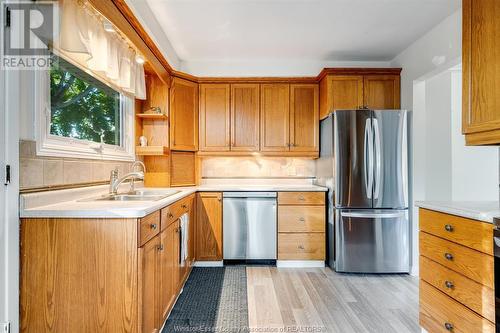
(384, 215)
(368, 169)
(378, 159)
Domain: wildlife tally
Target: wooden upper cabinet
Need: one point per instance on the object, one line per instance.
(183, 115)
(214, 117)
(340, 92)
(209, 226)
(274, 117)
(481, 71)
(381, 92)
(245, 117)
(304, 117)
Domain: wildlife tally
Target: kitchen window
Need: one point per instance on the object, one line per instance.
(82, 116)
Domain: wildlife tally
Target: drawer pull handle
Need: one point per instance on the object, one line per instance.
(448, 326)
(449, 284)
(160, 247)
(170, 215)
(154, 226)
(301, 198)
(448, 227)
(448, 256)
(184, 206)
(301, 247)
(302, 219)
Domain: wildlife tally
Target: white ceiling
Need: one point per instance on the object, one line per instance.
(298, 30)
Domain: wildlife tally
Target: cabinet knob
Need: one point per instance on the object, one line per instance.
(302, 219)
(448, 326)
(301, 198)
(448, 256)
(154, 226)
(449, 284)
(301, 247)
(170, 215)
(160, 247)
(184, 206)
(448, 227)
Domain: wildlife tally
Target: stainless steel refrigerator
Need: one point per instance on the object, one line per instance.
(364, 162)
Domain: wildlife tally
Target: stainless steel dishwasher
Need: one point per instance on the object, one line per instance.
(249, 226)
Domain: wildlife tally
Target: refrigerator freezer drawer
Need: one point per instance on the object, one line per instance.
(372, 241)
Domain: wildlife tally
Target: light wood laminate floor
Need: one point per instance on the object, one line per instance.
(321, 300)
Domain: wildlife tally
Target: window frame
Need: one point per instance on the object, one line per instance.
(51, 145)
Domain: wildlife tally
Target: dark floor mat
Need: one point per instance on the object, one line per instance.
(214, 300)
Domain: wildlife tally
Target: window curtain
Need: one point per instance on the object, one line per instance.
(83, 39)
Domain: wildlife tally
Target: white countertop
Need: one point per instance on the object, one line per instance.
(66, 203)
(477, 210)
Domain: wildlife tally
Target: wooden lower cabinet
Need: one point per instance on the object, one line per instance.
(149, 256)
(456, 274)
(301, 226)
(103, 275)
(209, 226)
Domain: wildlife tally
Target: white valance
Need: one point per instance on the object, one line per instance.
(84, 39)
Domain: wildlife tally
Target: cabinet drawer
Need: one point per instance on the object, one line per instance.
(471, 263)
(438, 310)
(149, 226)
(305, 246)
(474, 295)
(301, 219)
(471, 233)
(301, 198)
(174, 211)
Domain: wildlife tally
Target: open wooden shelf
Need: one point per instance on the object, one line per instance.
(152, 150)
(155, 116)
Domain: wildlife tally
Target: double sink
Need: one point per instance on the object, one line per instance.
(137, 195)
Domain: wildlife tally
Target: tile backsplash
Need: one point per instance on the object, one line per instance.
(45, 172)
(257, 167)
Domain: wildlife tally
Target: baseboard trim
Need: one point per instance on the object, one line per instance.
(208, 263)
(300, 263)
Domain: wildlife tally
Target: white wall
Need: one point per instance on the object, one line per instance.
(444, 40)
(442, 167)
(274, 68)
(474, 169)
(438, 160)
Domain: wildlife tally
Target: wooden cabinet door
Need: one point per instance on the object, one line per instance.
(245, 117)
(183, 115)
(209, 226)
(381, 92)
(304, 117)
(149, 281)
(344, 92)
(166, 290)
(214, 117)
(481, 71)
(274, 117)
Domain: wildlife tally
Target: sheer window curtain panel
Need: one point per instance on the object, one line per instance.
(107, 54)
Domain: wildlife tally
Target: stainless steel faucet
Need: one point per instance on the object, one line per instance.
(132, 182)
(116, 181)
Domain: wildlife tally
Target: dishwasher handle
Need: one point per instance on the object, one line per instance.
(249, 194)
